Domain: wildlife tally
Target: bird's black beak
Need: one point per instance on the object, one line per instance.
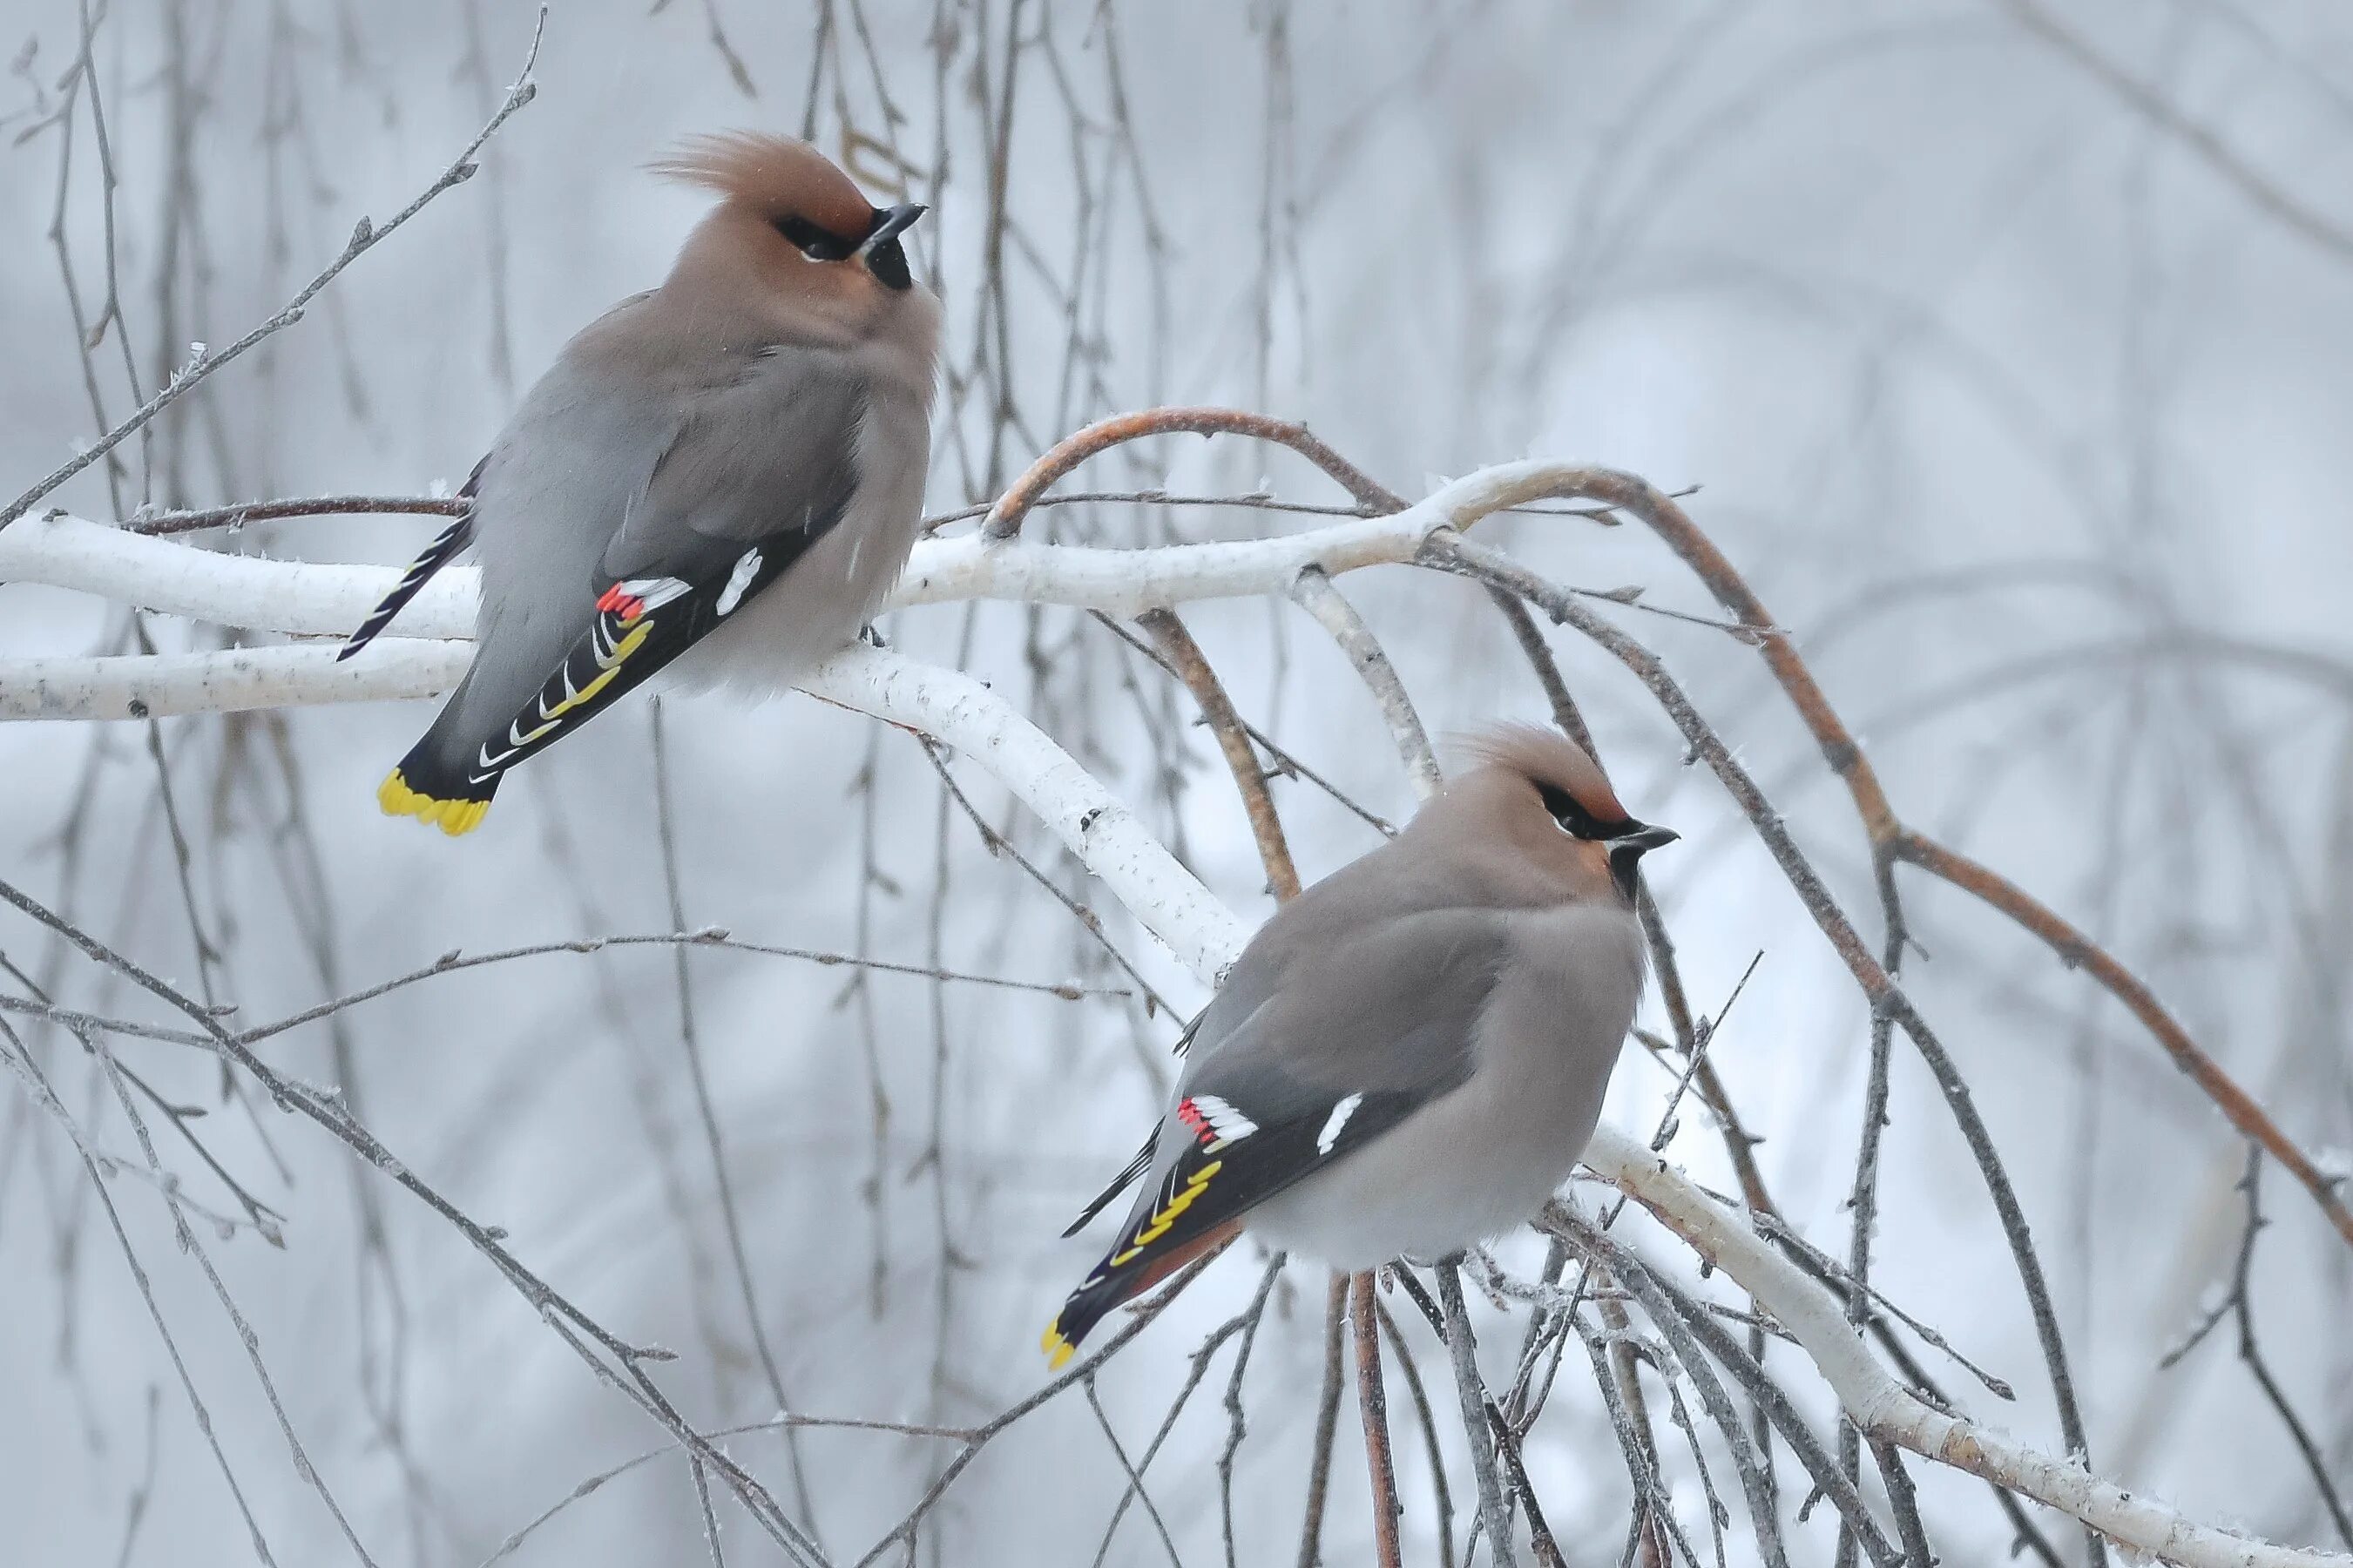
(1626, 852)
(1643, 839)
(891, 224)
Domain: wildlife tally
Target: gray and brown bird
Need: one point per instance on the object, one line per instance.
(1410, 1057)
(728, 468)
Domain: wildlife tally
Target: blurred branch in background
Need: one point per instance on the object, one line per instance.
(1103, 835)
(1404, 230)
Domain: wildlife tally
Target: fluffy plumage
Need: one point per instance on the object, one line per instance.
(1410, 1056)
(723, 475)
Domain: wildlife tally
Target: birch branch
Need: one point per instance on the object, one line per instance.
(1206, 936)
(305, 599)
(1107, 837)
(1164, 896)
(1885, 1410)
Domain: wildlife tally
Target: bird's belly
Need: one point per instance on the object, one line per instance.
(1465, 1169)
(815, 609)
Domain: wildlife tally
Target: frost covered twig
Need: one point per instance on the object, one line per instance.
(364, 236)
(1884, 1408)
(1111, 843)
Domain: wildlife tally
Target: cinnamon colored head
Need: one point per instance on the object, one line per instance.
(798, 194)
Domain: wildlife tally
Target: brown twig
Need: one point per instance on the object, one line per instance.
(1327, 1422)
(1014, 504)
(1622, 1367)
(1441, 1496)
(1183, 655)
(1892, 841)
(312, 506)
(1373, 1406)
(1450, 551)
(2077, 950)
(1286, 765)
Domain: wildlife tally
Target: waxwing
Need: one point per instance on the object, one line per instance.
(728, 468)
(1410, 1057)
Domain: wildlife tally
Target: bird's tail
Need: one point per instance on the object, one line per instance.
(427, 786)
(1109, 1287)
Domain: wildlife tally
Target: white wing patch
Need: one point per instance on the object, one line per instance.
(747, 566)
(1225, 1122)
(1335, 1122)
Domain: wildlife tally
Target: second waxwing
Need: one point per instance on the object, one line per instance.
(1410, 1057)
(729, 468)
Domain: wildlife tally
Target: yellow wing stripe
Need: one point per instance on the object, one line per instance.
(452, 817)
(609, 667)
(1160, 1222)
(456, 816)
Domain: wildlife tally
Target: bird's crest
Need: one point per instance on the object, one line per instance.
(1543, 758)
(775, 176)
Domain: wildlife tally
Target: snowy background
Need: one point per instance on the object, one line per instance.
(2005, 344)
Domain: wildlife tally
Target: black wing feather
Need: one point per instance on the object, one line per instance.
(641, 626)
(1231, 1165)
(439, 554)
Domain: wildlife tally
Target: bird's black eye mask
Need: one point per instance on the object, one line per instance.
(1577, 822)
(1628, 840)
(814, 242)
(887, 262)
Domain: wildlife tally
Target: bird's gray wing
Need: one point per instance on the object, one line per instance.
(769, 459)
(1335, 1041)
(760, 467)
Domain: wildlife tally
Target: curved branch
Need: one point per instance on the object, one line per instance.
(1890, 841)
(2077, 950)
(1005, 517)
(1165, 898)
(1206, 936)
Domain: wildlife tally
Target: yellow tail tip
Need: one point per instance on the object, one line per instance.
(452, 817)
(1059, 1350)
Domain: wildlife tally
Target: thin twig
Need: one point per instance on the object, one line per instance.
(1183, 655)
(1327, 1422)
(235, 516)
(365, 236)
(1472, 1391)
(1373, 1407)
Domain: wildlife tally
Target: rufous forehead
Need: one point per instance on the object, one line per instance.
(1545, 758)
(775, 176)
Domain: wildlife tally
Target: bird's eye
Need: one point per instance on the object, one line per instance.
(812, 241)
(1568, 815)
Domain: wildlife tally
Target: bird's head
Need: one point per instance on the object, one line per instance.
(810, 228)
(1553, 803)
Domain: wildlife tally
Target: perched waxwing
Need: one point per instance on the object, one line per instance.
(1409, 1058)
(731, 463)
